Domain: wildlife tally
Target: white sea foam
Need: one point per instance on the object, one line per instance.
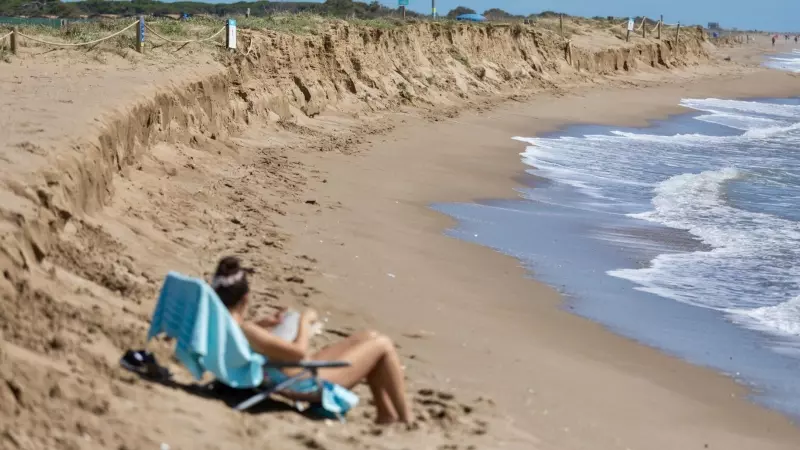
(788, 62)
(783, 318)
(771, 131)
(717, 106)
(738, 121)
(684, 181)
(746, 247)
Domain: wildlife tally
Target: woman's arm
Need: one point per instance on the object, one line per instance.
(277, 349)
(308, 317)
(274, 320)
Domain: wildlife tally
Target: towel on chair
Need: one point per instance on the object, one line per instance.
(209, 339)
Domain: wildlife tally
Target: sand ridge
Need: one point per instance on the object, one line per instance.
(93, 219)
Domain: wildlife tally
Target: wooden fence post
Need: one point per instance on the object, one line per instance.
(660, 24)
(14, 41)
(569, 52)
(644, 27)
(561, 24)
(678, 34)
(140, 35)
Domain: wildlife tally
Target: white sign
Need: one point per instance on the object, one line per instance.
(231, 33)
(630, 24)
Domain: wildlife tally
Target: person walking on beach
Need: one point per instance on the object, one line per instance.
(774, 38)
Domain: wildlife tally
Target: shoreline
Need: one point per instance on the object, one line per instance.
(596, 244)
(627, 369)
(171, 171)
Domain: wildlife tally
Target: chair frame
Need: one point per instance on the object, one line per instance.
(309, 368)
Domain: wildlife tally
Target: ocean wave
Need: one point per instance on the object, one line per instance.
(746, 267)
(787, 62)
(740, 122)
(771, 131)
(549, 159)
(695, 182)
(716, 106)
(683, 199)
(783, 318)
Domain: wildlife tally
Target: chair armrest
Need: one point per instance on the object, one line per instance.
(306, 364)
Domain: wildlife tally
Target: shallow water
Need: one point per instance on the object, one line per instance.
(684, 235)
(787, 61)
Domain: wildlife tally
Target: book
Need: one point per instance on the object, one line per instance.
(288, 328)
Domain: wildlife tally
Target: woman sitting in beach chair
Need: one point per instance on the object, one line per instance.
(371, 355)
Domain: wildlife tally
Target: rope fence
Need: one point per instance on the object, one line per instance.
(629, 25)
(155, 33)
(230, 37)
(142, 27)
(79, 44)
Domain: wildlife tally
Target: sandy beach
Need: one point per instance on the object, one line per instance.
(567, 381)
(332, 208)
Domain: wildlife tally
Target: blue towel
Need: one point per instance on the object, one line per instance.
(209, 339)
(334, 399)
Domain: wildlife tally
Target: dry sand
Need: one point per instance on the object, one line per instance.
(333, 212)
(568, 382)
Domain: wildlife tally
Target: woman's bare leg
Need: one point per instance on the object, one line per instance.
(372, 356)
(338, 351)
(383, 402)
(335, 351)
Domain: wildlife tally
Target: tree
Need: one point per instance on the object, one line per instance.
(65, 10)
(459, 10)
(340, 8)
(496, 13)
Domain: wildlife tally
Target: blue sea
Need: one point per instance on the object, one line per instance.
(684, 235)
(787, 61)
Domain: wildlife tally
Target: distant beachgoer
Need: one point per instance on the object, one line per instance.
(795, 39)
(774, 38)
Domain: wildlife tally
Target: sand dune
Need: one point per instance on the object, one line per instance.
(115, 172)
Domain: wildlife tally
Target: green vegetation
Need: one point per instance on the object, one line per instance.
(459, 10)
(91, 30)
(338, 8)
(37, 8)
(351, 9)
(499, 14)
(196, 28)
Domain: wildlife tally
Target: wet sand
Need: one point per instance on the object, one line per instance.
(567, 381)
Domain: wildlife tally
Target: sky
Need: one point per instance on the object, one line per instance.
(772, 15)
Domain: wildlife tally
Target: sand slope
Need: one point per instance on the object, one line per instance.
(115, 173)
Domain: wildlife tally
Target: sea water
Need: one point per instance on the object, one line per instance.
(684, 235)
(788, 61)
